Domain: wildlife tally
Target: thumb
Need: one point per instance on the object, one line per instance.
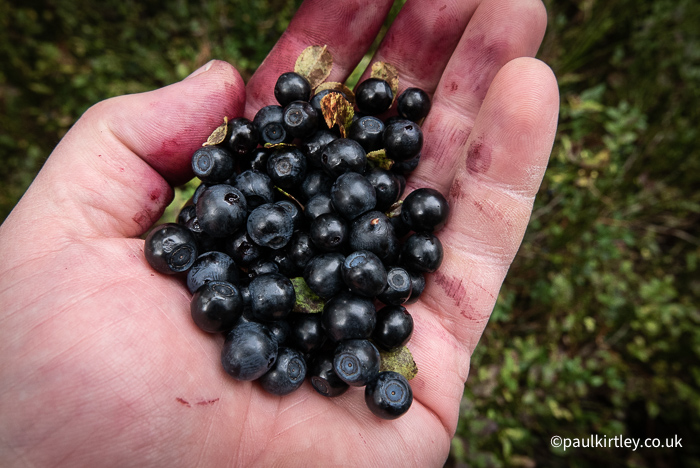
(113, 172)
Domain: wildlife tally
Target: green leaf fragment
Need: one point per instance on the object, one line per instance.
(398, 360)
(380, 159)
(307, 301)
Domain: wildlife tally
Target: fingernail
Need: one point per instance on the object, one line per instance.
(200, 70)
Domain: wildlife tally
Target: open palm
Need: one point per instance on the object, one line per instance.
(100, 363)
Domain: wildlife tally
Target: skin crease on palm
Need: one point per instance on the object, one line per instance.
(100, 363)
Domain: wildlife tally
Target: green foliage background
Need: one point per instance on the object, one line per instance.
(597, 327)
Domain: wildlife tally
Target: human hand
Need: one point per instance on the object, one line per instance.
(100, 363)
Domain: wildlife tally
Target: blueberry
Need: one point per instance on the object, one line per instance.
(287, 374)
(422, 252)
(211, 266)
(425, 209)
(387, 187)
(347, 316)
(364, 273)
(368, 131)
(212, 164)
(403, 140)
(287, 167)
(221, 210)
(256, 187)
(373, 231)
(313, 146)
(306, 332)
(316, 182)
(389, 395)
(343, 155)
(270, 225)
(272, 297)
(394, 327)
(323, 276)
(241, 248)
(404, 168)
(301, 250)
(170, 248)
(323, 378)
(300, 119)
(329, 232)
(242, 137)
(261, 266)
(216, 306)
(205, 242)
(293, 210)
(356, 362)
(290, 87)
(269, 122)
(353, 195)
(318, 205)
(249, 351)
(398, 287)
(255, 160)
(417, 286)
(373, 96)
(413, 104)
(280, 330)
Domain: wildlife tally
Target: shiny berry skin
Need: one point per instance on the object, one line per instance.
(364, 273)
(270, 225)
(425, 209)
(287, 374)
(290, 87)
(422, 252)
(280, 330)
(261, 266)
(300, 119)
(389, 395)
(241, 248)
(394, 327)
(249, 351)
(356, 362)
(212, 164)
(373, 96)
(269, 122)
(242, 137)
(347, 316)
(329, 232)
(221, 210)
(323, 378)
(301, 250)
(316, 182)
(387, 187)
(272, 297)
(187, 213)
(255, 160)
(216, 306)
(403, 140)
(170, 248)
(211, 266)
(256, 186)
(373, 231)
(404, 168)
(413, 104)
(343, 155)
(353, 195)
(313, 146)
(398, 287)
(318, 205)
(293, 210)
(306, 333)
(287, 167)
(417, 286)
(368, 131)
(322, 274)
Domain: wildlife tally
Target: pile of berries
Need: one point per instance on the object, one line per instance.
(295, 236)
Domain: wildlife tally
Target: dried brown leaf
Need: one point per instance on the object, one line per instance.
(337, 110)
(388, 73)
(314, 64)
(218, 135)
(335, 86)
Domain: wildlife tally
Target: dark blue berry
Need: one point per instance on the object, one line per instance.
(211, 266)
(270, 225)
(329, 232)
(389, 395)
(373, 96)
(373, 231)
(364, 273)
(242, 137)
(249, 351)
(287, 167)
(323, 274)
(413, 104)
(356, 362)
(212, 164)
(287, 374)
(394, 327)
(290, 87)
(323, 378)
(368, 131)
(241, 248)
(256, 186)
(398, 287)
(306, 332)
(300, 119)
(221, 210)
(313, 146)
(170, 248)
(403, 140)
(422, 252)
(269, 122)
(425, 209)
(272, 297)
(353, 195)
(347, 316)
(343, 155)
(216, 306)
(387, 186)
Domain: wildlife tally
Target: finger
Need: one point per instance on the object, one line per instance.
(421, 41)
(498, 32)
(112, 173)
(347, 28)
(492, 194)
